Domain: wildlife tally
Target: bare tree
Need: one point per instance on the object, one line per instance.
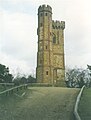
(77, 77)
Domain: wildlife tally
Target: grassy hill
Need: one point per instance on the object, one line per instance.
(85, 105)
(39, 103)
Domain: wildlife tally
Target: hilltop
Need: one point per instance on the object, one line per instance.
(40, 103)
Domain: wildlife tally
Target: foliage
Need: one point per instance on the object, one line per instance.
(20, 80)
(31, 79)
(23, 79)
(89, 68)
(77, 77)
(5, 76)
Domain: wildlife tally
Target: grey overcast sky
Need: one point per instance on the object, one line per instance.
(18, 32)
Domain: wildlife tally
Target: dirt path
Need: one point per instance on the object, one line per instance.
(42, 103)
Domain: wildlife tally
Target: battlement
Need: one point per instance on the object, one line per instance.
(58, 25)
(44, 8)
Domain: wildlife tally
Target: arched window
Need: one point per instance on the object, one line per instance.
(54, 39)
(46, 72)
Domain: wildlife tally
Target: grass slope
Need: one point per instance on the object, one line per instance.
(39, 103)
(85, 105)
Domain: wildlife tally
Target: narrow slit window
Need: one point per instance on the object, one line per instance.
(40, 61)
(41, 24)
(46, 47)
(46, 72)
(46, 14)
(41, 14)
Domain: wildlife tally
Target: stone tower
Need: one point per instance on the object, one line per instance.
(50, 55)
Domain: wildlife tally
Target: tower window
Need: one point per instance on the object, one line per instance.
(41, 14)
(46, 47)
(41, 24)
(46, 72)
(40, 61)
(59, 27)
(54, 39)
(46, 14)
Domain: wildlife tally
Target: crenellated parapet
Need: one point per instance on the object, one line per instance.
(43, 8)
(58, 25)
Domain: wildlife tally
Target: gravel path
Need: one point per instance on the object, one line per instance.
(39, 103)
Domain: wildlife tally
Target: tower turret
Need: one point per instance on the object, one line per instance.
(50, 55)
(44, 62)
